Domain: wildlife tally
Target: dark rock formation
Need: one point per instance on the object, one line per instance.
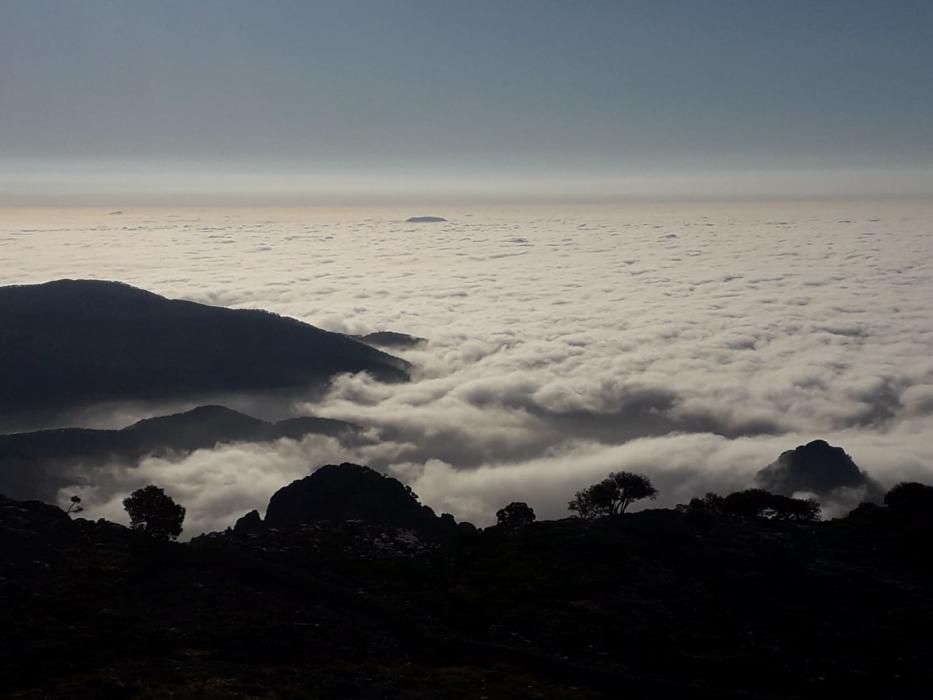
(338, 493)
(37, 464)
(817, 468)
(31, 531)
(73, 342)
(425, 220)
(249, 524)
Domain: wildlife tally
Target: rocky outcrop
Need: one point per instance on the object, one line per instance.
(31, 532)
(820, 469)
(344, 492)
(249, 524)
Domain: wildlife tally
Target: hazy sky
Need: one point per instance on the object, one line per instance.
(582, 97)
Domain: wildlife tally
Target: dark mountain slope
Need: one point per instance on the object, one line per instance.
(37, 464)
(72, 342)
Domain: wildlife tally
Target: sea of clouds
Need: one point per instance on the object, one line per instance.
(692, 342)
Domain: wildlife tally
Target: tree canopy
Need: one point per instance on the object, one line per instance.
(612, 496)
(154, 513)
(515, 514)
(910, 498)
(758, 503)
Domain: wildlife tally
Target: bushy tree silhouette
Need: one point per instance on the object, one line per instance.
(515, 514)
(750, 503)
(758, 503)
(702, 512)
(710, 503)
(910, 498)
(612, 495)
(154, 513)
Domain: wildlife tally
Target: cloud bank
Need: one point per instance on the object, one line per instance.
(694, 342)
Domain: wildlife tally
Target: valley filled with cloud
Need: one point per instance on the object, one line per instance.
(693, 342)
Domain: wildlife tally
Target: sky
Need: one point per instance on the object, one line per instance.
(292, 102)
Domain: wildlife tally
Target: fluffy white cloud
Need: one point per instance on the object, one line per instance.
(695, 342)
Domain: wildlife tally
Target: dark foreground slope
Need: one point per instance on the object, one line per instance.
(72, 342)
(651, 604)
(37, 464)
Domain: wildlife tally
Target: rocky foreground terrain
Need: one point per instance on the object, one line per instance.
(342, 602)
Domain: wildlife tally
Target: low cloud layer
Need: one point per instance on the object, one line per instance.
(694, 343)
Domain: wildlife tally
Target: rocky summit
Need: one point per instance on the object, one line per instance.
(346, 492)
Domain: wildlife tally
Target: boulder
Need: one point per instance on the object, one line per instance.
(343, 492)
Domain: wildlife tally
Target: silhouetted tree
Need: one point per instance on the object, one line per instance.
(710, 503)
(583, 505)
(154, 513)
(702, 512)
(758, 503)
(612, 495)
(515, 514)
(750, 503)
(866, 511)
(799, 509)
(910, 498)
(75, 506)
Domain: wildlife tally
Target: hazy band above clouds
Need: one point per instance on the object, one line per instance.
(39, 182)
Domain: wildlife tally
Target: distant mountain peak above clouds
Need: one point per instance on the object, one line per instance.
(390, 339)
(425, 220)
(36, 464)
(821, 469)
(69, 342)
